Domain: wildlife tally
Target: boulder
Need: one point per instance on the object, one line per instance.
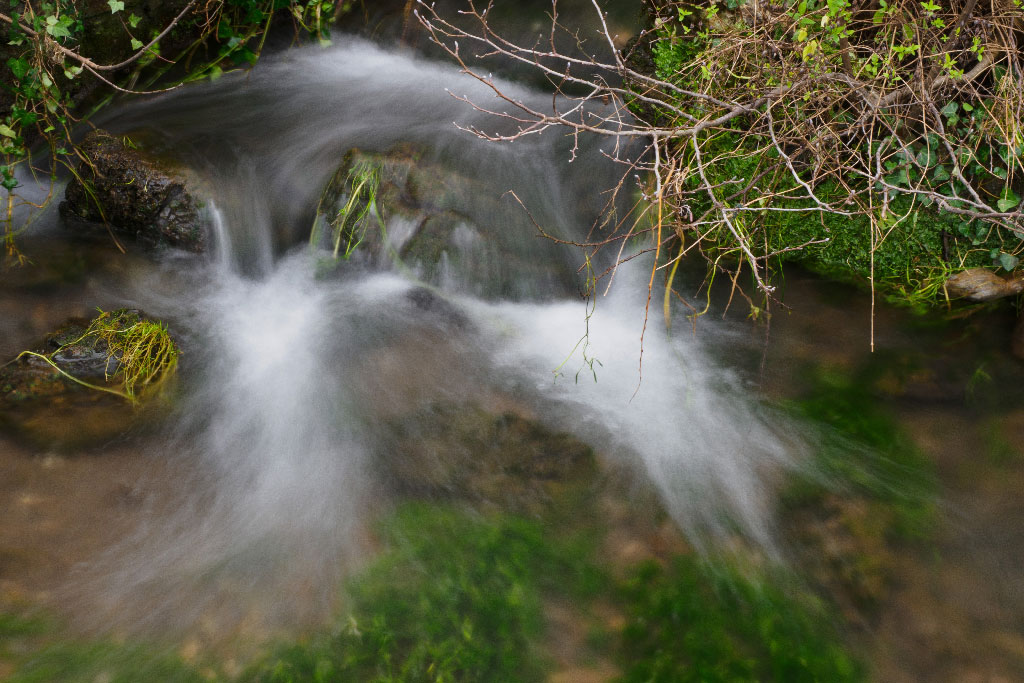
(134, 193)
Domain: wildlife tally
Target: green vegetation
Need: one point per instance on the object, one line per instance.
(860, 451)
(56, 68)
(773, 129)
(855, 189)
(356, 186)
(138, 351)
(705, 624)
(458, 596)
(88, 663)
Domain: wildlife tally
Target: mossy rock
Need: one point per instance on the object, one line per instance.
(135, 193)
(41, 405)
(405, 209)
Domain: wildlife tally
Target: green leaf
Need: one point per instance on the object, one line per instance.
(1008, 261)
(7, 131)
(133, 20)
(940, 175)
(136, 44)
(1007, 203)
(115, 6)
(926, 158)
(949, 109)
(18, 67)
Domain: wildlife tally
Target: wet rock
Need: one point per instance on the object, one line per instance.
(980, 284)
(402, 209)
(41, 406)
(462, 451)
(134, 193)
(436, 307)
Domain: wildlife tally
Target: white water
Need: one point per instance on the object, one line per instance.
(288, 379)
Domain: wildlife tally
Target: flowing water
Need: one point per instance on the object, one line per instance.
(240, 512)
(278, 418)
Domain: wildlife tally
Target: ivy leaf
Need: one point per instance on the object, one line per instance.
(1008, 261)
(941, 175)
(18, 67)
(7, 131)
(1004, 204)
(58, 28)
(136, 44)
(115, 6)
(949, 109)
(133, 20)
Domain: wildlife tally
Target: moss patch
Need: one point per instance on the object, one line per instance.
(696, 622)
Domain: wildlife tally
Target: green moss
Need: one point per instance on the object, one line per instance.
(457, 598)
(919, 252)
(694, 622)
(860, 451)
(108, 662)
(460, 597)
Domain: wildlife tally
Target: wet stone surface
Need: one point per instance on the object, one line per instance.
(134, 193)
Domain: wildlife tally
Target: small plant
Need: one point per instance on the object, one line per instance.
(360, 184)
(140, 351)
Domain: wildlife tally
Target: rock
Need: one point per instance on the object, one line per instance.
(134, 193)
(437, 308)
(467, 452)
(43, 407)
(442, 226)
(980, 284)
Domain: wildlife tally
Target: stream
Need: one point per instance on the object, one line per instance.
(313, 402)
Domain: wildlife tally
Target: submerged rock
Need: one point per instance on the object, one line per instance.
(134, 193)
(981, 284)
(467, 452)
(41, 404)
